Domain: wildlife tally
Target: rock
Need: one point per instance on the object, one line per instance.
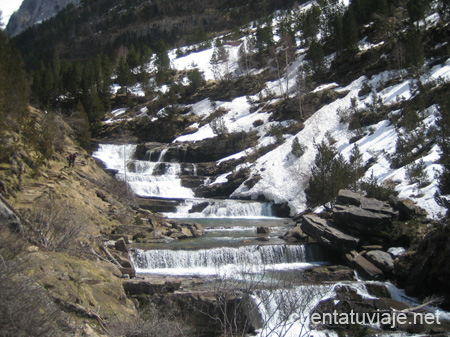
(32, 249)
(128, 271)
(424, 270)
(346, 197)
(199, 228)
(346, 301)
(372, 247)
(87, 331)
(396, 251)
(363, 266)
(116, 237)
(363, 215)
(294, 235)
(381, 259)
(328, 274)
(196, 232)
(120, 245)
(379, 290)
(150, 286)
(360, 220)
(199, 207)
(186, 233)
(326, 234)
(263, 230)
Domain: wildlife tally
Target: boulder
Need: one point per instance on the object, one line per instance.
(363, 215)
(360, 220)
(121, 246)
(396, 251)
(363, 266)
(186, 233)
(328, 274)
(424, 270)
(346, 301)
(381, 259)
(263, 230)
(150, 286)
(294, 235)
(199, 228)
(326, 234)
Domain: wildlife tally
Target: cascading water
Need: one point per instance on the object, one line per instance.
(162, 179)
(146, 178)
(223, 259)
(227, 253)
(224, 209)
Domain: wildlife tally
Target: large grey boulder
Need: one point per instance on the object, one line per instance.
(327, 234)
(355, 212)
(381, 259)
(366, 268)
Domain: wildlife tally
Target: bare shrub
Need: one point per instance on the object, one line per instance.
(219, 126)
(25, 307)
(122, 191)
(254, 298)
(150, 323)
(53, 225)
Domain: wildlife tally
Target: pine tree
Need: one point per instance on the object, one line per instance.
(415, 54)
(317, 57)
(350, 31)
(331, 172)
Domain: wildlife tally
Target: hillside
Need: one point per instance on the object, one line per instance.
(222, 109)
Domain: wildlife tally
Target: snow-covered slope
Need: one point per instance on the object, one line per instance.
(284, 177)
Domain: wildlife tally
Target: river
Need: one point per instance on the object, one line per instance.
(232, 252)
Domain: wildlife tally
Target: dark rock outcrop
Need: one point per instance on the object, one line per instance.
(381, 260)
(33, 11)
(425, 269)
(325, 233)
(328, 274)
(360, 214)
(363, 266)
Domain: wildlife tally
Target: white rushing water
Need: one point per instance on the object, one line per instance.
(162, 179)
(227, 208)
(146, 178)
(222, 260)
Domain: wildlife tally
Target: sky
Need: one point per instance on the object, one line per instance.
(8, 7)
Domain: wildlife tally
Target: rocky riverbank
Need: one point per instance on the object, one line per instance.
(366, 234)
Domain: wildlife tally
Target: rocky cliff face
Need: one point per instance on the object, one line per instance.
(34, 11)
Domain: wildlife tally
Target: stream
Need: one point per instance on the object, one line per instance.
(231, 249)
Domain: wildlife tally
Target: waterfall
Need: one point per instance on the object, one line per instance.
(146, 178)
(162, 179)
(227, 208)
(211, 261)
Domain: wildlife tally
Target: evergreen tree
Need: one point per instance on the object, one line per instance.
(416, 10)
(317, 57)
(331, 172)
(443, 124)
(350, 31)
(124, 75)
(14, 93)
(415, 54)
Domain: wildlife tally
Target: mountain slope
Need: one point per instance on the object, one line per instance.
(32, 12)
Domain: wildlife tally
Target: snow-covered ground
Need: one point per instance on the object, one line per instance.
(285, 177)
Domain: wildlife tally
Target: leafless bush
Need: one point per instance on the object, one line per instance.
(219, 126)
(25, 307)
(53, 225)
(122, 191)
(271, 302)
(150, 323)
